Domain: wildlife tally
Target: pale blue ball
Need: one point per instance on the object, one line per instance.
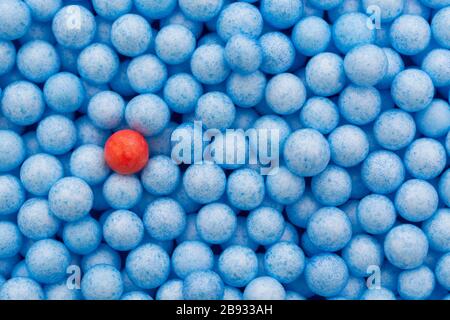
(147, 74)
(436, 64)
(16, 19)
(306, 152)
(8, 56)
(103, 255)
(284, 261)
(106, 109)
(394, 66)
(181, 93)
(265, 225)
(245, 189)
(285, 94)
(434, 120)
(161, 176)
(122, 192)
(248, 90)
(376, 214)
(281, 14)
(382, 172)
(37, 61)
(112, 10)
(243, 54)
(21, 288)
(329, 229)
(208, 64)
(10, 239)
(60, 291)
(425, 158)
(362, 253)
(131, 35)
(216, 223)
(12, 195)
(416, 284)
(325, 74)
(264, 288)
(439, 24)
(102, 282)
(123, 230)
(436, 230)
(201, 10)
(22, 103)
(155, 9)
(359, 105)
(204, 183)
(237, 266)
(47, 261)
(332, 187)
(12, 150)
(215, 110)
(238, 18)
(410, 34)
(174, 44)
(416, 200)
(394, 129)
(64, 92)
(406, 246)
(361, 73)
(74, 27)
(148, 266)
(164, 219)
(349, 145)
(284, 187)
(319, 113)
(171, 290)
(326, 274)
(278, 52)
(203, 285)
(300, 211)
(56, 134)
(442, 271)
(98, 64)
(353, 290)
(88, 163)
(36, 221)
(190, 256)
(82, 236)
(311, 36)
(70, 199)
(350, 30)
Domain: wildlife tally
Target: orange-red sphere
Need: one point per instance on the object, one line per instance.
(126, 152)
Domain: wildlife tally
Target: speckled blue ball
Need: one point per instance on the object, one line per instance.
(245, 189)
(174, 44)
(164, 219)
(285, 93)
(112, 9)
(382, 172)
(203, 285)
(8, 56)
(238, 18)
(88, 163)
(16, 18)
(181, 93)
(243, 54)
(21, 288)
(102, 282)
(12, 194)
(70, 199)
(204, 183)
(412, 90)
(444, 187)
(161, 176)
(389, 10)
(425, 158)
(39, 172)
(215, 110)
(237, 266)
(306, 152)
(56, 134)
(284, 261)
(47, 261)
(329, 229)
(246, 90)
(281, 14)
(12, 150)
(394, 129)
(362, 253)
(265, 225)
(325, 74)
(436, 64)
(82, 236)
(22, 103)
(64, 92)
(204, 10)
(10, 239)
(326, 274)
(102, 255)
(434, 120)
(155, 9)
(131, 35)
(284, 187)
(376, 214)
(265, 127)
(216, 223)
(378, 294)
(98, 64)
(170, 290)
(311, 36)
(264, 288)
(416, 284)
(332, 187)
(106, 109)
(122, 192)
(350, 30)
(191, 256)
(278, 52)
(442, 271)
(300, 211)
(74, 27)
(37, 61)
(148, 266)
(60, 291)
(416, 200)
(359, 105)
(36, 221)
(123, 230)
(359, 71)
(406, 246)
(349, 145)
(436, 230)
(439, 25)
(208, 64)
(319, 113)
(410, 34)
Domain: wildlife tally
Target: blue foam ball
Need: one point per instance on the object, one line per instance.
(82, 236)
(325, 74)
(442, 271)
(389, 10)
(201, 10)
(319, 113)
(181, 92)
(171, 290)
(285, 93)
(215, 110)
(37, 61)
(106, 110)
(439, 24)
(10, 239)
(362, 253)
(16, 18)
(284, 261)
(102, 282)
(103, 255)
(311, 36)
(237, 266)
(434, 120)
(122, 192)
(238, 18)
(410, 34)
(425, 158)
(21, 288)
(243, 54)
(376, 214)
(416, 200)
(160, 176)
(265, 225)
(112, 10)
(88, 163)
(264, 288)
(284, 187)
(350, 30)
(412, 90)
(131, 35)
(332, 187)
(190, 256)
(216, 223)
(12, 150)
(123, 230)
(204, 183)
(278, 52)
(245, 189)
(208, 64)
(436, 64)
(12, 194)
(203, 285)
(281, 14)
(349, 145)
(56, 134)
(359, 105)
(394, 129)
(8, 56)
(36, 221)
(155, 9)
(416, 284)
(98, 64)
(174, 44)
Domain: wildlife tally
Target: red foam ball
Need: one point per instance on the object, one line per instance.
(126, 152)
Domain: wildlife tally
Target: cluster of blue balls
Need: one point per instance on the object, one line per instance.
(358, 209)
